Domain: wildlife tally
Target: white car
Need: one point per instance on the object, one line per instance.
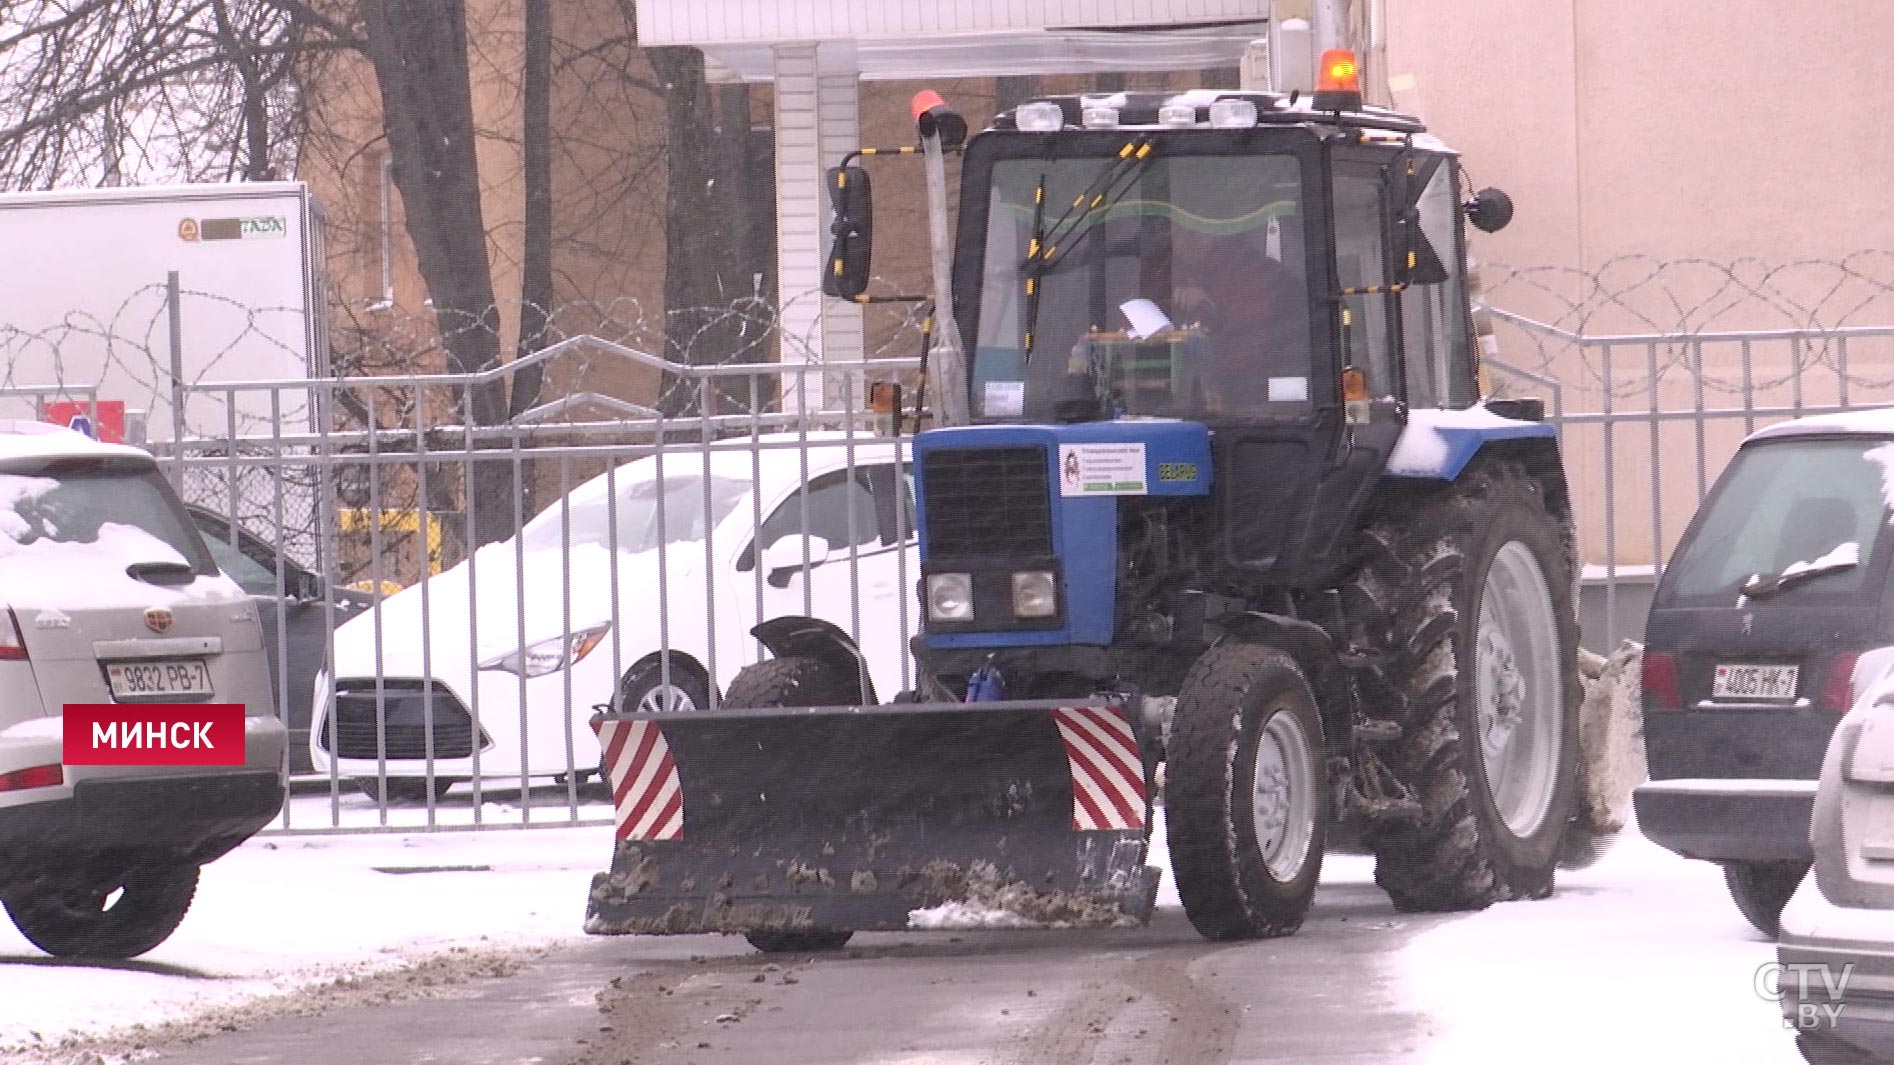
(613, 575)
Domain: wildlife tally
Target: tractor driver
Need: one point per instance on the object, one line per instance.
(1252, 308)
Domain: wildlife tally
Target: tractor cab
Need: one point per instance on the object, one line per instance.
(1286, 271)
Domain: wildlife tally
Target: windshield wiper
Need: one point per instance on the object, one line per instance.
(1760, 587)
(1044, 254)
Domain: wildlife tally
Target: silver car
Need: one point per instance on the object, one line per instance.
(109, 598)
(1835, 977)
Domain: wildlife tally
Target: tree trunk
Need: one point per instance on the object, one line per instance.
(707, 274)
(536, 285)
(419, 52)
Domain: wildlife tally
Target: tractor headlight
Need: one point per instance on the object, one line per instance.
(1035, 594)
(950, 597)
(546, 656)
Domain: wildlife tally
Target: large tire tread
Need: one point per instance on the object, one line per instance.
(1405, 606)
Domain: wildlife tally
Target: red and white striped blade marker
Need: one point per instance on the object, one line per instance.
(1107, 773)
(645, 791)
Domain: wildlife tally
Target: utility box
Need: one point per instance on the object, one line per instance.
(86, 315)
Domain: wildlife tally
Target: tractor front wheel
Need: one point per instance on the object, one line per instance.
(796, 680)
(1246, 800)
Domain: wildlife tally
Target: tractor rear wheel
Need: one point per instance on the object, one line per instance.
(1466, 602)
(796, 680)
(1246, 800)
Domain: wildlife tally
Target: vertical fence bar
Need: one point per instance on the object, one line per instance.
(384, 789)
(1657, 470)
(1696, 387)
(470, 540)
(426, 564)
(1608, 426)
(174, 318)
(1841, 372)
(1749, 388)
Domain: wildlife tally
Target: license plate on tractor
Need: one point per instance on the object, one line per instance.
(1755, 682)
(188, 677)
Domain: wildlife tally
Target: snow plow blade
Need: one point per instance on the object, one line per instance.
(1015, 814)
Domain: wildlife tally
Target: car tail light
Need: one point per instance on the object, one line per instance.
(39, 776)
(1660, 682)
(12, 644)
(1838, 687)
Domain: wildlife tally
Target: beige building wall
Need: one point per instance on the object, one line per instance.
(1635, 137)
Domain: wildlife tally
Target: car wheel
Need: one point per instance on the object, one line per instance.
(1762, 889)
(404, 791)
(645, 689)
(120, 920)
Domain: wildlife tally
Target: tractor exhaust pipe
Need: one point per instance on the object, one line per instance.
(942, 130)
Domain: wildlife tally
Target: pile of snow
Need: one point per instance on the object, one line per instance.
(965, 915)
(1610, 738)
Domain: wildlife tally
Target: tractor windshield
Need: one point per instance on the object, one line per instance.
(1177, 288)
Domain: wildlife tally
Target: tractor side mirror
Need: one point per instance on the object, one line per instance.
(1490, 210)
(852, 204)
(786, 557)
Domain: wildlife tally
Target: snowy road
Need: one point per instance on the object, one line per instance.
(464, 947)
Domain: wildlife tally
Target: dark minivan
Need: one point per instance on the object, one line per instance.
(1775, 592)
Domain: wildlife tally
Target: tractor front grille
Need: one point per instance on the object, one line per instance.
(987, 502)
(406, 714)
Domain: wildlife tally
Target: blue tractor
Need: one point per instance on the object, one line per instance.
(1212, 507)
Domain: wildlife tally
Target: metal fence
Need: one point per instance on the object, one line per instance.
(1654, 373)
(444, 614)
(501, 618)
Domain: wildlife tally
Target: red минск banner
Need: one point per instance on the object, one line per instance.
(154, 734)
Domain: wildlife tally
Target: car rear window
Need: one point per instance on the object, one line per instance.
(75, 501)
(1781, 503)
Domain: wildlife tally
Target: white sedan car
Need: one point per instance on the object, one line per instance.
(493, 668)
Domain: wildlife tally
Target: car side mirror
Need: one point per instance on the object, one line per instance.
(1489, 210)
(791, 554)
(845, 275)
(302, 586)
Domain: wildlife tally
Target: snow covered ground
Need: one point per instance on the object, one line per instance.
(293, 913)
(1640, 959)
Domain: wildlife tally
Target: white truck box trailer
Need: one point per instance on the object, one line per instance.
(84, 309)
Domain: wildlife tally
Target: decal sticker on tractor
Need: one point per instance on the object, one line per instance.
(1102, 470)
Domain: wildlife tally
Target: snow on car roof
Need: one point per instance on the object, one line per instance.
(1876, 421)
(40, 440)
